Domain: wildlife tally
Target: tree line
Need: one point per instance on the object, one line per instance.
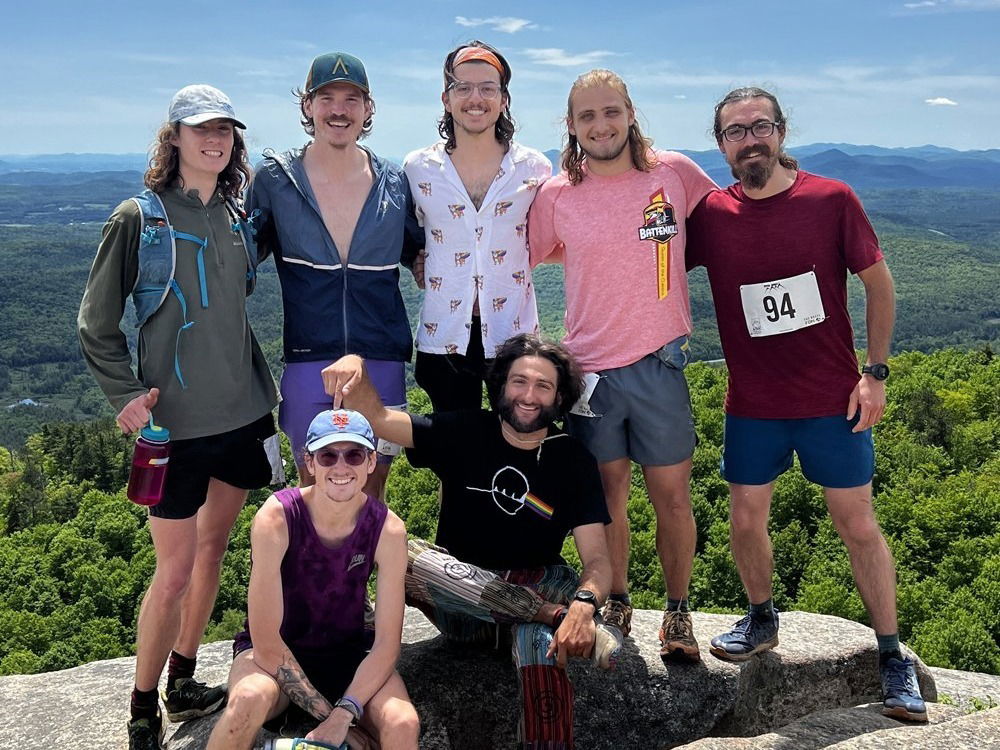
(75, 555)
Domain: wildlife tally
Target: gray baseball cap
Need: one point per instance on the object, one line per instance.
(199, 103)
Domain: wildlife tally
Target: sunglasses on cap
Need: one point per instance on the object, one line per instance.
(327, 457)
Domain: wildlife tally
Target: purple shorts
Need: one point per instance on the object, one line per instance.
(303, 397)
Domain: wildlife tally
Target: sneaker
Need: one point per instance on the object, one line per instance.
(146, 734)
(607, 646)
(677, 641)
(189, 699)
(901, 691)
(618, 615)
(748, 637)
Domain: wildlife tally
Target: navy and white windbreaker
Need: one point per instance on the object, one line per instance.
(331, 310)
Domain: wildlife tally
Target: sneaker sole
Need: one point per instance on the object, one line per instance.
(195, 713)
(898, 712)
(721, 653)
(680, 655)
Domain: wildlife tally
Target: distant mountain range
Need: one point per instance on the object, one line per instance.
(862, 167)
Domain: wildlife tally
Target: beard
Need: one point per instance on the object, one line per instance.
(607, 156)
(755, 174)
(546, 416)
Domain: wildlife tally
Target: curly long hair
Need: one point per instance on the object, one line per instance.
(164, 165)
(570, 376)
(505, 126)
(753, 92)
(639, 146)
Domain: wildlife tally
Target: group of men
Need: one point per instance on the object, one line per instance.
(627, 222)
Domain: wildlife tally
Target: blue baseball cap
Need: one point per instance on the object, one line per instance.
(199, 103)
(336, 66)
(339, 426)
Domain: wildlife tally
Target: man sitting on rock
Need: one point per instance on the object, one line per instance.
(513, 487)
(313, 550)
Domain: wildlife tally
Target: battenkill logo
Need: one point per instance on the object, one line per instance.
(659, 226)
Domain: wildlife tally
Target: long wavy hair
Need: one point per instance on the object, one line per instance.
(165, 169)
(310, 127)
(640, 147)
(570, 376)
(505, 126)
(753, 92)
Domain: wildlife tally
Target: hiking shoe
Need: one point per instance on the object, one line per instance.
(677, 641)
(749, 636)
(607, 646)
(146, 734)
(618, 615)
(189, 699)
(901, 691)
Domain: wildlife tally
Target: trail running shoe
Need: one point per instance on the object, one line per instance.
(748, 637)
(901, 691)
(607, 646)
(190, 699)
(618, 615)
(146, 734)
(677, 641)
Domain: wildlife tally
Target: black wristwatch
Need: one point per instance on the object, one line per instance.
(583, 595)
(879, 371)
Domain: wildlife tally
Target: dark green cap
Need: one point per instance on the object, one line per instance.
(336, 66)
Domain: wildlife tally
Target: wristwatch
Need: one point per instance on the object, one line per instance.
(583, 595)
(879, 371)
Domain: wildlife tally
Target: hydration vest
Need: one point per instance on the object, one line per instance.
(158, 261)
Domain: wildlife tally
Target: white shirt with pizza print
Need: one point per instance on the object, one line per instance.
(472, 252)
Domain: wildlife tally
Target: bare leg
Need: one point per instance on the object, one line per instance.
(669, 489)
(254, 697)
(749, 508)
(391, 718)
(872, 563)
(215, 520)
(375, 486)
(615, 476)
(159, 622)
(305, 478)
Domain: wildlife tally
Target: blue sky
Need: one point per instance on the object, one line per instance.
(97, 76)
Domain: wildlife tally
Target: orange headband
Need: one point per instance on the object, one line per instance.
(469, 54)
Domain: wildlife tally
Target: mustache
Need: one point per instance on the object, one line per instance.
(761, 148)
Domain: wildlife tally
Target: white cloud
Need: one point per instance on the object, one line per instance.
(560, 58)
(941, 101)
(505, 24)
(953, 5)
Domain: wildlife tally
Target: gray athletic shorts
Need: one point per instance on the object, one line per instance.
(643, 411)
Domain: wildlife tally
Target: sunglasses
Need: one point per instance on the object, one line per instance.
(327, 457)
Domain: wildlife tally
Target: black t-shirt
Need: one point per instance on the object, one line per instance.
(502, 507)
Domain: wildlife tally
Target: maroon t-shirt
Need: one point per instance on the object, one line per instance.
(816, 225)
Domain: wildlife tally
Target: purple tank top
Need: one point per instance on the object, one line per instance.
(324, 587)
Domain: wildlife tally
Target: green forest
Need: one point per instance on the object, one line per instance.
(943, 247)
(75, 555)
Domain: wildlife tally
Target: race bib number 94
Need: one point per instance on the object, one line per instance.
(782, 306)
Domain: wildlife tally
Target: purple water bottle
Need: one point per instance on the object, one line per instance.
(149, 465)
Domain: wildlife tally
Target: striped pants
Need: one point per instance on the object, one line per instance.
(468, 604)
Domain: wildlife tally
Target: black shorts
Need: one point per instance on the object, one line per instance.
(236, 457)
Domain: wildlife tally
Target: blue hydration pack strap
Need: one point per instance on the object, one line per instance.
(202, 244)
(176, 288)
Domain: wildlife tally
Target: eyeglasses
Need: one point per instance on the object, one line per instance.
(327, 457)
(464, 89)
(760, 129)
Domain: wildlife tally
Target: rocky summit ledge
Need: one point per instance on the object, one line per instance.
(808, 693)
